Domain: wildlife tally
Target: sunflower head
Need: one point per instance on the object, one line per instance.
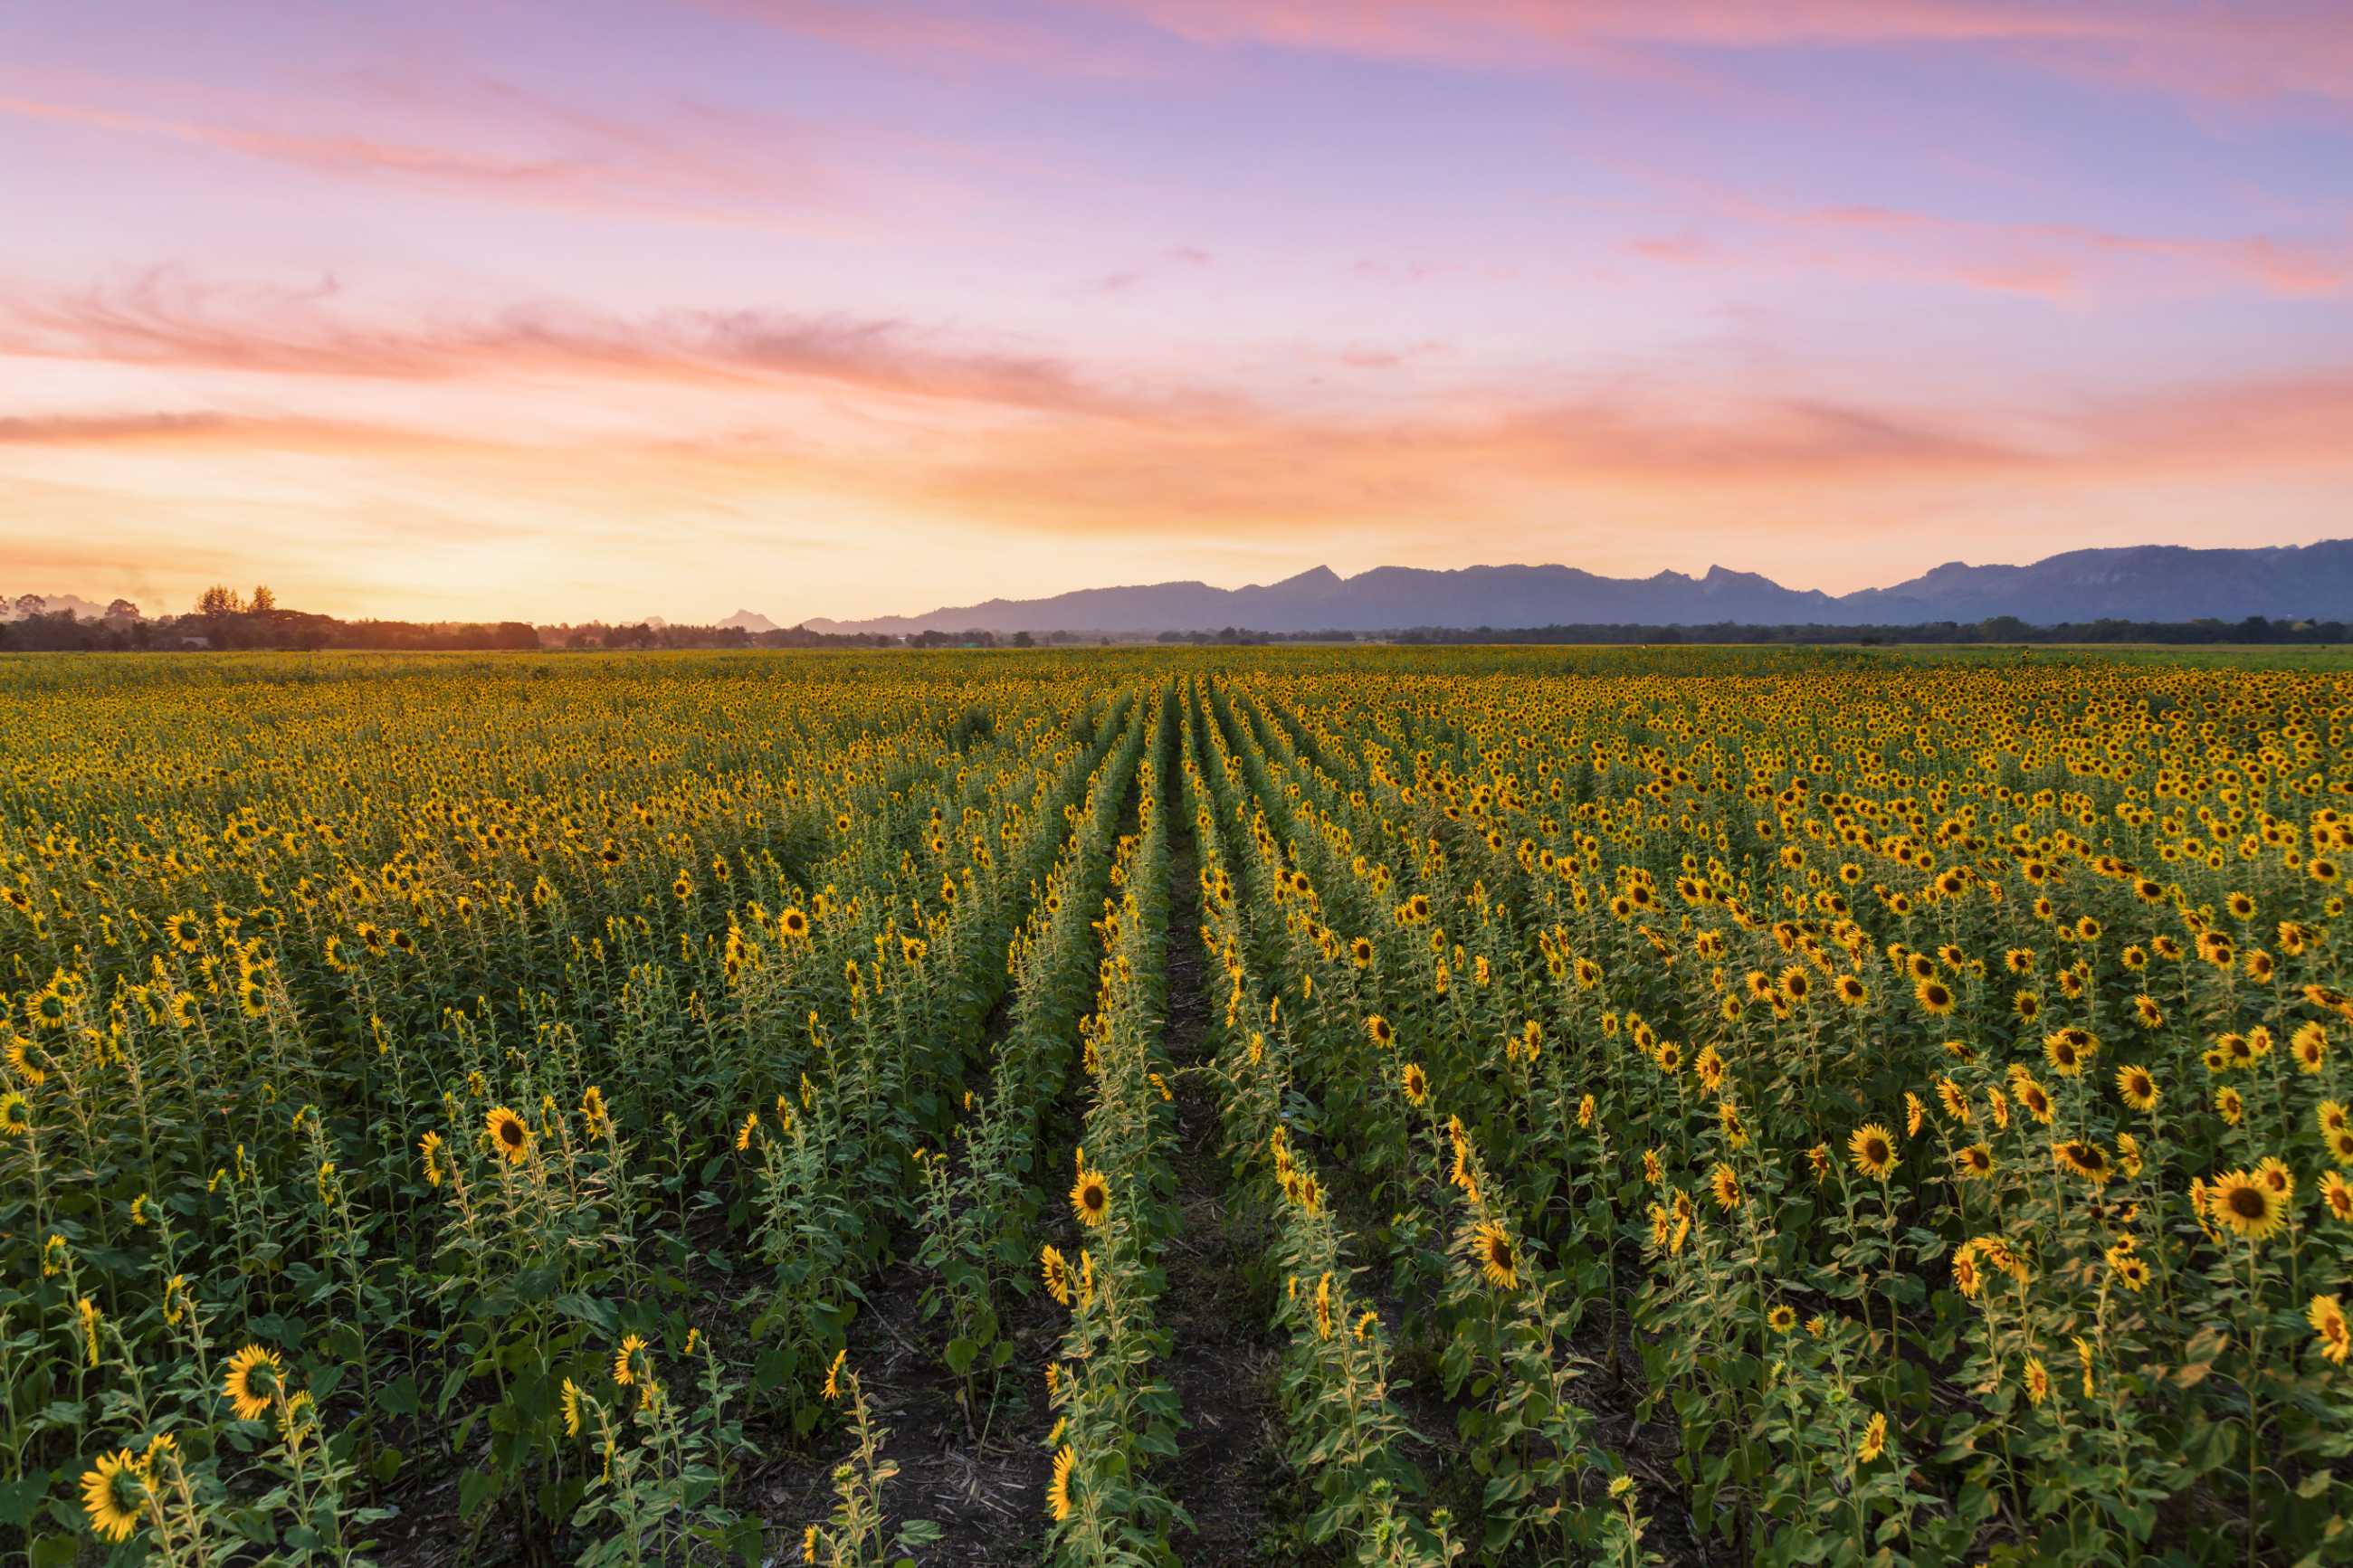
(1498, 1257)
(2245, 1205)
(114, 1495)
(508, 1134)
(1091, 1197)
(1874, 1149)
(253, 1378)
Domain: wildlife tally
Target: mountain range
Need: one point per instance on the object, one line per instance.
(2141, 583)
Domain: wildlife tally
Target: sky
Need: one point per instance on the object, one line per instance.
(510, 308)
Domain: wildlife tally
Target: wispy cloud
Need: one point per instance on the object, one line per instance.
(2261, 52)
(481, 138)
(163, 319)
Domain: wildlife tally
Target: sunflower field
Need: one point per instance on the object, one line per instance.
(1373, 1105)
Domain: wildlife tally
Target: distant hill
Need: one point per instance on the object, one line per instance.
(750, 621)
(2143, 583)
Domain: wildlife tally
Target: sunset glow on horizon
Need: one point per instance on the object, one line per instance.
(502, 308)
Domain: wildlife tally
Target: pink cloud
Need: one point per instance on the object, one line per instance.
(2251, 53)
(499, 143)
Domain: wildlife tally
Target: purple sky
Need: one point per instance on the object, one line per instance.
(841, 307)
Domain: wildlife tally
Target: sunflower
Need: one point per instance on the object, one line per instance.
(2274, 1173)
(254, 1375)
(625, 1370)
(2337, 1194)
(1725, 1182)
(2130, 1270)
(1058, 1490)
(429, 1155)
(114, 1494)
(2038, 1380)
(19, 1056)
(1057, 1270)
(1360, 952)
(1935, 997)
(2245, 1204)
(1850, 991)
(1499, 1260)
(1874, 1439)
(1377, 1027)
(2326, 1315)
(1091, 1197)
(2309, 1046)
(1781, 1318)
(16, 1115)
(1874, 1149)
(571, 1399)
(2068, 1050)
(1975, 1162)
(1416, 1084)
(2137, 1088)
(793, 924)
(2082, 1158)
(508, 1134)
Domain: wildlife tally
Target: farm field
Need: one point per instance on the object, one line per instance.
(1389, 1106)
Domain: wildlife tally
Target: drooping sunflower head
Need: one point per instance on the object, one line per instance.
(1499, 1258)
(114, 1495)
(2083, 1158)
(1091, 1197)
(2327, 1316)
(252, 1379)
(1058, 1490)
(509, 1135)
(1057, 1271)
(2338, 1193)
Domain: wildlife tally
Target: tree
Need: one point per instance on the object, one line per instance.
(1023, 640)
(30, 604)
(264, 602)
(122, 610)
(218, 603)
